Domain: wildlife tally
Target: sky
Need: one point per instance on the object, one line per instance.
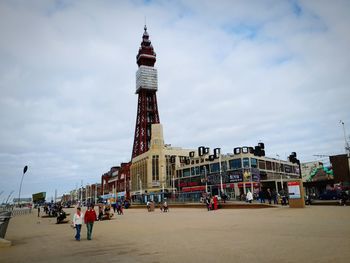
(230, 74)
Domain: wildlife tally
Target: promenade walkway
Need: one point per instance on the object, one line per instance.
(314, 234)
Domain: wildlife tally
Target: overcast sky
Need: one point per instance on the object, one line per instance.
(231, 73)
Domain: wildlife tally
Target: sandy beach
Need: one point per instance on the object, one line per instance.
(314, 234)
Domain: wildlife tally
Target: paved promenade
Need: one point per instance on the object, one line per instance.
(314, 234)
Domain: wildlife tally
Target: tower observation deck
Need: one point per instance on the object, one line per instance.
(146, 88)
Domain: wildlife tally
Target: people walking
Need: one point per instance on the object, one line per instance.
(77, 222)
(90, 218)
(38, 211)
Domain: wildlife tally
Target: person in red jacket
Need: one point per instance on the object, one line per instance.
(215, 200)
(89, 219)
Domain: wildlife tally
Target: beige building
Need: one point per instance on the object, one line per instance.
(233, 174)
(154, 171)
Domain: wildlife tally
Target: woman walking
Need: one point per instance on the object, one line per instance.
(77, 222)
(90, 218)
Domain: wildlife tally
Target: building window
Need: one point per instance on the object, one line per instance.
(155, 168)
(254, 163)
(268, 165)
(262, 165)
(224, 166)
(235, 164)
(193, 171)
(204, 169)
(245, 162)
(186, 172)
(214, 167)
(197, 170)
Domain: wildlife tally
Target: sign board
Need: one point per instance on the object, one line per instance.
(155, 183)
(39, 197)
(294, 190)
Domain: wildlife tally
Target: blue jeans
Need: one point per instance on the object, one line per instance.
(78, 229)
(89, 226)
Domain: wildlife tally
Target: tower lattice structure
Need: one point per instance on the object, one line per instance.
(146, 88)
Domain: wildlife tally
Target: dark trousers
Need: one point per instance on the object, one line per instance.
(89, 227)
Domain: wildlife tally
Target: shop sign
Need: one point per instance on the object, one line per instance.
(182, 184)
(235, 177)
(155, 183)
(294, 190)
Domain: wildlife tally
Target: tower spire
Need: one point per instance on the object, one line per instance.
(146, 88)
(146, 55)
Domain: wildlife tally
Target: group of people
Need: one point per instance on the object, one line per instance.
(88, 218)
(211, 202)
(266, 195)
(163, 206)
(105, 212)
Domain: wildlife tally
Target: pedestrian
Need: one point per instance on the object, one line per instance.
(100, 213)
(249, 196)
(283, 197)
(207, 202)
(343, 198)
(38, 211)
(262, 196)
(148, 204)
(120, 209)
(165, 206)
(89, 218)
(215, 201)
(77, 222)
(268, 195)
(274, 197)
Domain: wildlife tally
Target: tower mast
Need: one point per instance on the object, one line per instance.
(146, 88)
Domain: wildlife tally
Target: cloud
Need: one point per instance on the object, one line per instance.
(240, 71)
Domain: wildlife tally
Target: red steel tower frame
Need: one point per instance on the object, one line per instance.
(146, 88)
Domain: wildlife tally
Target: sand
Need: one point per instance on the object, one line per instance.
(314, 234)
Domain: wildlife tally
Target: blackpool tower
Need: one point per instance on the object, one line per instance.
(146, 88)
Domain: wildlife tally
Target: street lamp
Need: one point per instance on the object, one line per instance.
(173, 185)
(20, 186)
(221, 187)
(279, 170)
(206, 179)
(140, 183)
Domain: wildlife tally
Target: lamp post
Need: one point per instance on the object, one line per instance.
(163, 179)
(20, 186)
(279, 170)
(347, 147)
(140, 185)
(206, 179)
(221, 187)
(173, 185)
